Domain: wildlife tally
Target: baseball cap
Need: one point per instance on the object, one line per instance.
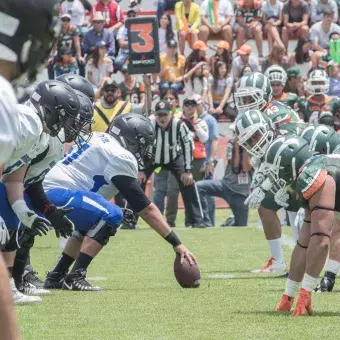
(131, 11)
(244, 50)
(110, 83)
(223, 44)
(65, 50)
(98, 17)
(65, 15)
(189, 101)
(196, 98)
(163, 107)
(294, 72)
(199, 45)
(172, 43)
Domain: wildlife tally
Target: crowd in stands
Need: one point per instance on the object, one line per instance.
(204, 51)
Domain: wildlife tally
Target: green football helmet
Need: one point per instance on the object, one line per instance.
(322, 139)
(326, 118)
(283, 160)
(335, 106)
(253, 91)
(254, 132)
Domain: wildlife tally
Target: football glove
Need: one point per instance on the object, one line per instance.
(128, 217)
(281, 197)
(255, 198)
(4, 234)
(61, 224)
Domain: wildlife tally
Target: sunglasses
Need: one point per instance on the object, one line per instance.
(110, 90)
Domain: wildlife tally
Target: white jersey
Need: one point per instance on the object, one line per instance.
(9, 125)
(31, 142)
(38, 170)
(92, 167)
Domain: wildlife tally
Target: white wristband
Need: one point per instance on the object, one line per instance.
(25, 215)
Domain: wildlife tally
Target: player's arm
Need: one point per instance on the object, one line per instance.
(135, 196)
(13, 183)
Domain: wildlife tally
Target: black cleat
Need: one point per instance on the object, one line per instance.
(128, 226)
(326, 285)
(77, 281)
(54, 280)
(32, 278)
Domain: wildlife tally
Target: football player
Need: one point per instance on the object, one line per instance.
(290, 162)
(317, 86)
(278, 78)
(86, 179)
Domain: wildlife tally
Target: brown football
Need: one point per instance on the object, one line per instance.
(188, 276)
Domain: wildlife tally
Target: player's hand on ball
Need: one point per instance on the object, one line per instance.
(61, 224)
(185, 253)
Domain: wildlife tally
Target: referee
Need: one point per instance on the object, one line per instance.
(174, 152)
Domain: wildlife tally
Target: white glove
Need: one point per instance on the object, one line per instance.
(4, 235)
(300, 216)
(257, 180)
(255, 198)
(281, 197)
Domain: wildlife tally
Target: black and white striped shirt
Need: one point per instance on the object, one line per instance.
(172, 141)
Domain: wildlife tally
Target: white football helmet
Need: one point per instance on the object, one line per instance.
(318, 82)
(276, 73)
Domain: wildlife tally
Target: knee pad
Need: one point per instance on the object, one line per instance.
(320, 234)
(300, 245)
(102, 235)
(79, 235)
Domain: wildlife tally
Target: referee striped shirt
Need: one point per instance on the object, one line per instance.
(173, 141)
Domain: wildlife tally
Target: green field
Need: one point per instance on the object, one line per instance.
(143, 300)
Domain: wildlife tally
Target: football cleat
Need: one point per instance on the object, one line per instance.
(31, 277)
(19, 298)
(54, 280)
(77, 281)
(326, 285)
(272, 266)
(128, 226)
(304, 303)
(29, 289)
(285, 304)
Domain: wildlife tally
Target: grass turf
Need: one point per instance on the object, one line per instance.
(143, 300)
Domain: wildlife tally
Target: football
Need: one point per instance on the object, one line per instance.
(188, 276)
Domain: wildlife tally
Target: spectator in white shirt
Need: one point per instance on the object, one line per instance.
(318, 7)
(243, 59)
(77, 12)
(217, 27)
(165, 32)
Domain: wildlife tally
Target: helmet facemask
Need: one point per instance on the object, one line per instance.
(248, 98)
(317, 83)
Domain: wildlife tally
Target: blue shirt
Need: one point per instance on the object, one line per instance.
(213, 131)
(92, 37)
(334, 87)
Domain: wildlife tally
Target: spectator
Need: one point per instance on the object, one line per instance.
(165, 32)
(132, 90)
(111, 105)
(172, 97)
(320, 32)
(123, 41)
(66, 64)
(248, 18)
(76, 10)
(198, 54)
(69, 37)
(233, 188)
(302, 55)
(318, 8)
(97, 34)
(199, 134)
(246, 69)
(272, 21)
(196, 80)
(112, 13)
(172, 68)
(277, 56)
(220, 93)
(243, 59)
(295, 20)
(222, 54)
(334, 79)
(295, 82)
(216, 18)
(99, 67)
(165, 5)
(187, 23)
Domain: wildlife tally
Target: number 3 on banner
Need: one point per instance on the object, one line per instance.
(144, 32)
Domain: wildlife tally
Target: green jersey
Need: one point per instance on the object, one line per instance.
(133, 94)
(288, 99)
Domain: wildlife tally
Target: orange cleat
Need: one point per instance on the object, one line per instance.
(303, 303)
(285, 304)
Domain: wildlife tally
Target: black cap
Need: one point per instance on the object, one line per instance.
(172, 43)
(131, 11)
(163, 107)
(189, 101)
(110, 83)
(65, 50)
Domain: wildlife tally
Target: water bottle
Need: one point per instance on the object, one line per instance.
(337, 54)
(332, 51)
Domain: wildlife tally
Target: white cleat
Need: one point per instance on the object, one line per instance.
(272, 266)
(19, 298)
(29, 289)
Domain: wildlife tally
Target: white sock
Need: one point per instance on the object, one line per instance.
(309, 282)
(292, 288)
(295, 228)
(276, 249)
(333, 266)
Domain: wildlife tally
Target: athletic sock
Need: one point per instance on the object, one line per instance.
(292, 288)
(333, 267)
(10, 271)
(64, 263)
(20, 264)
(309, 283)
(276, 249)
(82, 261)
